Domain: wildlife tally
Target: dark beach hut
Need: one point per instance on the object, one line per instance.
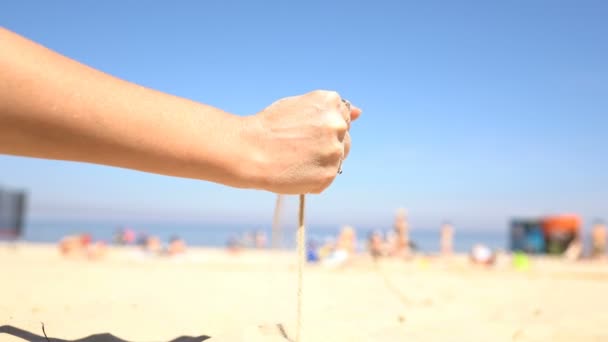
(527, 236)
(12, 212)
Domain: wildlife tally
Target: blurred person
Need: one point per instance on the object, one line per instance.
(481, 254)
(82, 245)
(141, 240)
(233, 245)
(176, 246)
(347, 240)
(247, 240)
(124, 236)
(345, 247)
(54, 107)
(599, 240)
(402, 237)
(312, 252)
(259, 239)
(129, 236)
(446, 240)
(119, 237)
(375, 245)
(75, 245)
(328, 246)
(96, 250)
(390, 241)
(152, 245)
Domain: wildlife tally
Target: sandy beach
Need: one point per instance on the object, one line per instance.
(209, 292)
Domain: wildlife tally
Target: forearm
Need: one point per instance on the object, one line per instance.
(53, 107)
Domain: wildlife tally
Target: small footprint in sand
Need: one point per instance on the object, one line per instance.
(518, 334)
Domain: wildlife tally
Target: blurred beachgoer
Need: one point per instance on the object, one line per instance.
(96, 250)
(248, 239)
(70, 245)
(312, 253)
(233, 245)
(176, 246)
(482, 255)
(82, 245)
(599, 240)
(375, 245)
(347, 240)
(345, 247)
(402, 238)
(328, 246)
(118, 237)
(260, 239)
(129, 236)
(153, 245)
(447, 239)
(141, 240)
(124, 236)
(57, 108)
(390, 241)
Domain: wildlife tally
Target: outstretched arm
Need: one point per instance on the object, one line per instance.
(56, 108)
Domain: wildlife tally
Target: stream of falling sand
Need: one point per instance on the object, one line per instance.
(301, 248)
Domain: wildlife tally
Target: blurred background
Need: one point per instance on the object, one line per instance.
(475, 112)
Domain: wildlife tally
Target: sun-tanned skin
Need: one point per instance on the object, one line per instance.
(54, 107)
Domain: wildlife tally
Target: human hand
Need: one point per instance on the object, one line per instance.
(298, 143)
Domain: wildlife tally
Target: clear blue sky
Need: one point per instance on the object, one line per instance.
(473, 111)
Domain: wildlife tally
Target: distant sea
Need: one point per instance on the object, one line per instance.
(217, 235)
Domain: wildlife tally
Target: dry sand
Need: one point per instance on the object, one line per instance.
(209, 292)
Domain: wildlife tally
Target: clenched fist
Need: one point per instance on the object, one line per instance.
(298, 143)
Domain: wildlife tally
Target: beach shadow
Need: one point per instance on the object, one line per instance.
(104, 337)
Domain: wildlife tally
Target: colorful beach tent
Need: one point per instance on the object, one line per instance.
(560, 231)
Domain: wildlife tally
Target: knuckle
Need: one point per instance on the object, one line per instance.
(329, 95)
(342, 128)
(338, 131)
(333, 96)
(336, 123)
(328, 176)
(336, 152)
(321, 93)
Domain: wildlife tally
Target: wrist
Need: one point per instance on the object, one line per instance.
(251, 157)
